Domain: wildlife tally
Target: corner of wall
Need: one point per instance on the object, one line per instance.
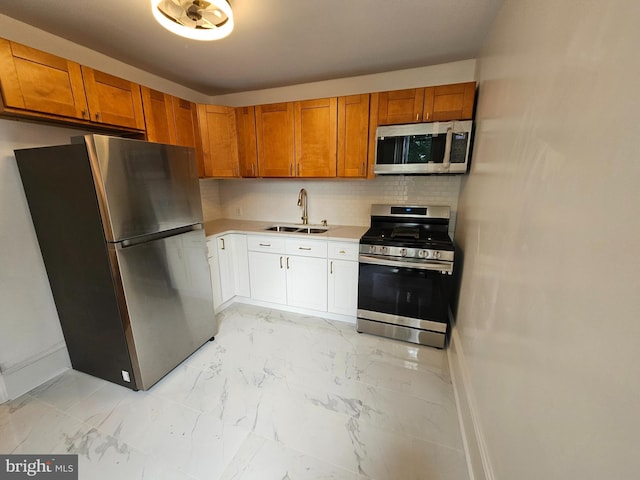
(4, 396)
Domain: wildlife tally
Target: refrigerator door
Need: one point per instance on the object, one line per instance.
(143, 187)
(168, 301)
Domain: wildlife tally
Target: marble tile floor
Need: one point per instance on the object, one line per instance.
(276, 396)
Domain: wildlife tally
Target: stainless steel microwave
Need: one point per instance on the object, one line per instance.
(423, 148)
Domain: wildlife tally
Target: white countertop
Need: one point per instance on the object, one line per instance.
(345, 233)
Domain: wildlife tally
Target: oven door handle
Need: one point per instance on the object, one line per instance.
(437, 266)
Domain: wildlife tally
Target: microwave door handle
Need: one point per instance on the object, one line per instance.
(446, 161)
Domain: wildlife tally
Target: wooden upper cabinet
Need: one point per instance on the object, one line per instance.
(429, 104)
(401, 106)
(113, 100)
(185, 115)
(187, 134)
(450, 102)
(353, 135)
(275, 139)
(219, 140)
(316, 137)
(247, 144)
(40, 82)
(158, 114)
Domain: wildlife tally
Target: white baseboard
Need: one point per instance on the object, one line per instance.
(34, 371)
(474, 444)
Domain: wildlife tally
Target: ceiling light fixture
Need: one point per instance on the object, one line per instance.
(195, 19)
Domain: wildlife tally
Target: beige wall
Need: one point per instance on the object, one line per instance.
(549, 317)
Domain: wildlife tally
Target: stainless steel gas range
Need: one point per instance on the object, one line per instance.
(405, 281)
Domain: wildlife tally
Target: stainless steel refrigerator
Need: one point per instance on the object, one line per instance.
(119, 223)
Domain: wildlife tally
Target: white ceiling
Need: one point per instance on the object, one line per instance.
(275, 42)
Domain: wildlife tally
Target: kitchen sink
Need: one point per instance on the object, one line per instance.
(282, 228)
(296, 229)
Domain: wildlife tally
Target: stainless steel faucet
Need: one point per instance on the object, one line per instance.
(302, 202)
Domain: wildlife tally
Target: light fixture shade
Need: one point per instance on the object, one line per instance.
(195, 19)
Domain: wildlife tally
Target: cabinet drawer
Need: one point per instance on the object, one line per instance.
(271, 244)
(344, 250)
(306, 248)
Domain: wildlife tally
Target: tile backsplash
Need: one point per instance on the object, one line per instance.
(340, 202)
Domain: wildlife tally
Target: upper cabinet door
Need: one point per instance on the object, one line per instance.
(450, 102)
(353, 135)
(275, 139)
(158, 115)
(185, 116)
(401, 106)
(113, 100)
(316, 137)
(247, 144)
(41, 82)
(219, 140)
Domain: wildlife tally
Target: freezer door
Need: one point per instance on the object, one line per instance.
(168, 299)
(143, 187)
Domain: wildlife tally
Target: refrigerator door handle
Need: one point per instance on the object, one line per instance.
(130, 242)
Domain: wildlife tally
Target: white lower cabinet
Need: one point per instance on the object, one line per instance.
(268, 277)
(288, 271)
(343, 278)
(229, 267)
(307, 282)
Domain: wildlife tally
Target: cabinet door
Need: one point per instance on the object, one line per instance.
(247, 147)
(185, 115)
(40, 82)
(343, 287)
(214, 270)
(219, 145)
(226, 267)
(316, 137)
(158, 115)
(401, 106)
(268, 277)
(275, 139)
(353, 131)
(307, 282)
(113, 100)
(450, 102)
(240, 264)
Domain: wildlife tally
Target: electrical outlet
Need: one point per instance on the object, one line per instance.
(125, 376)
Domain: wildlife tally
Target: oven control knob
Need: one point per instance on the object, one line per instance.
(372, 249)
(423, 253)
(383, 250)
(436, 255)
(403, 252)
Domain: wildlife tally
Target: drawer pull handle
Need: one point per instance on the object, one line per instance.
(222, 240)
(331, 268)
(305, 248)
(265, 244)
(287, 263)
(342, 251)
(280, 263)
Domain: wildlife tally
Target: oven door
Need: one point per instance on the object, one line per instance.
(404, 302)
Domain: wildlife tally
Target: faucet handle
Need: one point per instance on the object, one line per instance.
(324, 223)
